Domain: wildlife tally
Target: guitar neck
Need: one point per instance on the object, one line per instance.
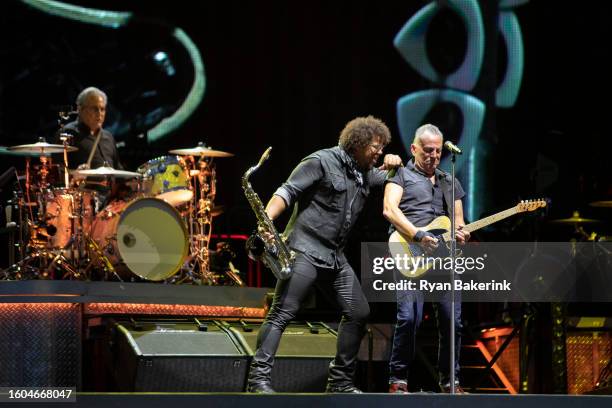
(476, 225)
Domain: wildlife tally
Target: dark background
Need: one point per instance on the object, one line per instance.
(291, 74)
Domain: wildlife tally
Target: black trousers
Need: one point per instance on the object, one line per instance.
(342, 283)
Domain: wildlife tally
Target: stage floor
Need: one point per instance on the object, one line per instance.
(199, 400)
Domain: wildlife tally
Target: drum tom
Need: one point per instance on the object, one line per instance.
(145, 237)
(66, 210)
(167, 178)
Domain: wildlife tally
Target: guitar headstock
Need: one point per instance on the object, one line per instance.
(530, 205)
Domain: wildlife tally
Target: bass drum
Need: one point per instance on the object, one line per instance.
(146, 237)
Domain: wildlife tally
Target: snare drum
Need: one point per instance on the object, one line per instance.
(167, 178)
(63, 207)
(145, 237)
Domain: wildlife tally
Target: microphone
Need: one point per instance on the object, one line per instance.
(452, 148)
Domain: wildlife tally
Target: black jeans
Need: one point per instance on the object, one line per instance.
(340, 282)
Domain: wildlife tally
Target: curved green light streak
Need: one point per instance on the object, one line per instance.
(510, 4)
(410, 43)
(194, 97)
(115, 19)
(510, 29)
(87, 15)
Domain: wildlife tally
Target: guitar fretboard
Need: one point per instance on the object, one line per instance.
(485, 221)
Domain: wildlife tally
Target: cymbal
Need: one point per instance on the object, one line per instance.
(604, 204)
(40, 148)
(106, 171)
(6, 151)
(575, 219)
(200, 151)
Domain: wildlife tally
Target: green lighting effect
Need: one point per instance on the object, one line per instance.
(410, 42)
(510, 4)
(116, 19)
(195, 96)
(113, 19)
(510, 29)
(471, 187)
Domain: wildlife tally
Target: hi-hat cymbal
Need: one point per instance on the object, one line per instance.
(604, 204)
(40, 148)
(575, 219)
(106, 171)
(201, 151)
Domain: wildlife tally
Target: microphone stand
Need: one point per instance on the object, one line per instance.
(453, 252)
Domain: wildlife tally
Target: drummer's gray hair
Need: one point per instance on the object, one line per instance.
(92, 90)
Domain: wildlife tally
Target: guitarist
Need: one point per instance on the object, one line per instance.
(414, 196)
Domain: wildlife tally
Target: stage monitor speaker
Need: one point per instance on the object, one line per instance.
(178, 356)
(303, 356)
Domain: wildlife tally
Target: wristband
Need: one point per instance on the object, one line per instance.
(419, 236)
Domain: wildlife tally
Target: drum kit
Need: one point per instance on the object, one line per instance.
(72, 224)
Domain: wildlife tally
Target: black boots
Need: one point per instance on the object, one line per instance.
(260, 388)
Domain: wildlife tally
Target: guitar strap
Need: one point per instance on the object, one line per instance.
(445, 184)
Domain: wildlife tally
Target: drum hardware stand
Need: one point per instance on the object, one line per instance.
(52, 258)
(100, 260)
(200, 222)
(234, 274)
(23, 266)
(203, 226)
(23, 220)
(65, 137)
(79, 242)
(27, 189)
(49, 263)
(186, 274)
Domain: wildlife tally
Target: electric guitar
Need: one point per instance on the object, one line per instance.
(440, 227)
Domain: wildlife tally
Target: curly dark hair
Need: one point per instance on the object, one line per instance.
(360, 132)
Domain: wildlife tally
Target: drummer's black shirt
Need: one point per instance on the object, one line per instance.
(106, 151)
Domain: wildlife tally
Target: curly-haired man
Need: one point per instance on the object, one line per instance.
(328, 189)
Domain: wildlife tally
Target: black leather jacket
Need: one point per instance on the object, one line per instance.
(328, 198)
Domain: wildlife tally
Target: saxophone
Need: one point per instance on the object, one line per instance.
(274, 254)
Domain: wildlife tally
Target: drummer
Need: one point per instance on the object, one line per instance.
(96, 145)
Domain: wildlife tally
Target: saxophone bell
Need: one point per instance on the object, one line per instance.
(255, 246)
